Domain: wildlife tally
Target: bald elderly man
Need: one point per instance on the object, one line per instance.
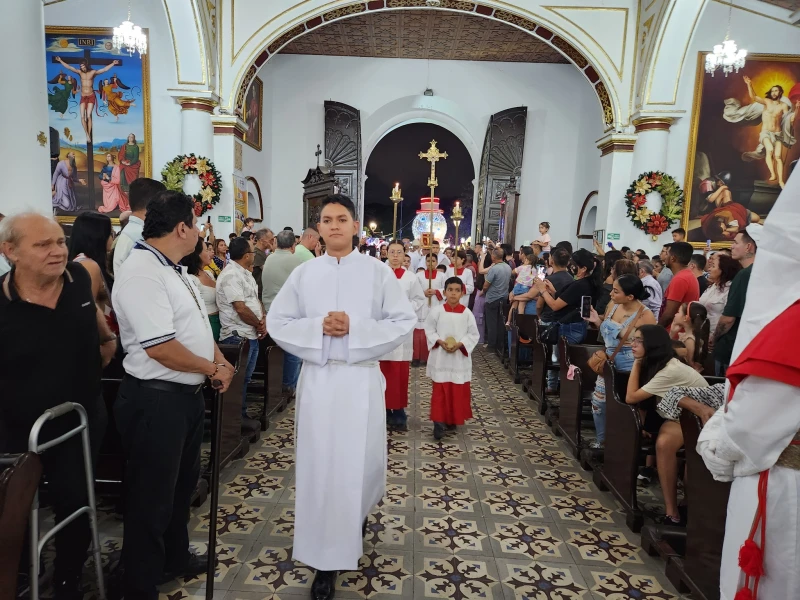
(308, 247)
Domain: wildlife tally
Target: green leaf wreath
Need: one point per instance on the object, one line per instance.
(654, 223)
(174, 174)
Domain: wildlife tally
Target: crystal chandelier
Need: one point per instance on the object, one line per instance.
(130, 37)
(726, 56)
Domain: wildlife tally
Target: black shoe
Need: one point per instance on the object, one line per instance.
(451, 427)
(69, 588)
(438, 431)
(415, 363)
(324, 585)
(196, 565)
(667, 520)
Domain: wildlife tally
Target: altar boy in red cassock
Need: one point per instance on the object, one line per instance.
(452, 336)
(433, 298)
(395, 364)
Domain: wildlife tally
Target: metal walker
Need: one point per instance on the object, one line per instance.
(37, 544)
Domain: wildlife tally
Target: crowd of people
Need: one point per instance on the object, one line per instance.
(164, 292)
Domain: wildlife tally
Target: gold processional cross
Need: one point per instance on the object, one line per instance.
(433, 156)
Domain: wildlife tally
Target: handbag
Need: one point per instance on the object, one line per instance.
(597, 361)
(549, 334)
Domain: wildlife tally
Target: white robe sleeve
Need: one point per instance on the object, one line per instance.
(469, 281)
(296, 334)
(470, 340)
(762, 418)
(416, 295)
(371, 337)
(431, 327)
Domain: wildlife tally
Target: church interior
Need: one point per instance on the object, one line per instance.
(570, 113)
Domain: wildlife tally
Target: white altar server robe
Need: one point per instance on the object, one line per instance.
(467, 279)
(444, 366)
(413, 291)
(340, 412)
(438, 284)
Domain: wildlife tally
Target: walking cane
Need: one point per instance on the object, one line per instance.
(216, 436)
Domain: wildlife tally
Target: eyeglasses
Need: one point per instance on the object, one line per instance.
(637, 341)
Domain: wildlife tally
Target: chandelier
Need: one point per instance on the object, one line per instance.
(130, 37)
(726, 55)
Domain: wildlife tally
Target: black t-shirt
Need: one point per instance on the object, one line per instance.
(559, 279)
(47, 357)
(571, 294)
(703, 283)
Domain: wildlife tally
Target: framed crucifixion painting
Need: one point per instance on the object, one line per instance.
(99, 107)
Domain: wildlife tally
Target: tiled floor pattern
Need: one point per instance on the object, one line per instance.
(496, 510)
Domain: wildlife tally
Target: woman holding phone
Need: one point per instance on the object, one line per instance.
(624, 313)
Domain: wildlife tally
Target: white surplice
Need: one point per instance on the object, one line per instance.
(340, 412)
(748, 435)
(438, 284)
(444, 366)
(467, 279)
(413, 291)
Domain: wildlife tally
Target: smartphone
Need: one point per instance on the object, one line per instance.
(586, 307)
(708, 244)
(610, 245)
(209, 219)
(540, 271)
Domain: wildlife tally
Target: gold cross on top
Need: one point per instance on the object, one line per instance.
(433, 155)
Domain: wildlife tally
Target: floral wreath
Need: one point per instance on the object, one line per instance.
(175, 171)
(654, 223)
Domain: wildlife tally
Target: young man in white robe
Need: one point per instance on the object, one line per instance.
(432, 282)
(452, 335)
(465, 275)
(753, 440)
(339, 313)
(395, 365)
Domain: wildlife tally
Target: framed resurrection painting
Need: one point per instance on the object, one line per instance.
(99, 108)
(742, 146)
(251, 113)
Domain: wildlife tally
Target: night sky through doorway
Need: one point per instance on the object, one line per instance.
(396, 159)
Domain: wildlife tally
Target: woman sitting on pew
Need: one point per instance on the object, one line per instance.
(625, 311)
(656, 370)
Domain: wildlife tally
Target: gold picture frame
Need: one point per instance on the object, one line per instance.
(724, 152)
(122, 97)
(254, 118)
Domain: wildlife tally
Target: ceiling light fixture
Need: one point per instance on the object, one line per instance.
(130, 37)
(726, 55)
(428, 92)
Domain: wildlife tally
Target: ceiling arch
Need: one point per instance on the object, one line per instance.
(272, 42)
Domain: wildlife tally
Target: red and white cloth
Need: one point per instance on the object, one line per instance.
(744, 439)
(451, 372)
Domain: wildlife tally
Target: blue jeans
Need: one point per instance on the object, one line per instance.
(575, 334)
(720, 369)
(252, 357)
(623, 363)
(291, 370)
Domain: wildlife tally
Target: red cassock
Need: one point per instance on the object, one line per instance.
(396, 373)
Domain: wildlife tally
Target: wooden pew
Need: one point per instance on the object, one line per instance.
(523, 326)
(18, 485)
(232, 445)
(502, 350)
(693, 554)
(623, 448)
(575, 394)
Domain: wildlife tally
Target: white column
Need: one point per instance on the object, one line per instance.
(651, 146)
(228, 133)
(25, 149)
(197, 131)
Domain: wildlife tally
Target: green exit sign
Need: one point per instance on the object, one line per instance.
(223, 219)
(612, 236)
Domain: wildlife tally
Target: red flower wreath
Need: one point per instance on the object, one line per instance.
(636, 200)
(174, 173)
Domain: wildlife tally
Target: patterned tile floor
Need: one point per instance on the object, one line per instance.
(496, 510)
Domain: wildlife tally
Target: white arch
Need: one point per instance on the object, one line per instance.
(419, 109)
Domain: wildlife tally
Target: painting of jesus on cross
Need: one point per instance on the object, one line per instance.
(99, 121)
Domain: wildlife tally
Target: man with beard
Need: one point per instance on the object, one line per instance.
(88, 98)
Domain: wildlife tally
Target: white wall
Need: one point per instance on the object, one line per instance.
(756, 34)
(561, 163)
(165, 117)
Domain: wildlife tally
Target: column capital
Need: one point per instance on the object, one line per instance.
(616, 142)
(644, 122)
(202, 100)
(229, 125)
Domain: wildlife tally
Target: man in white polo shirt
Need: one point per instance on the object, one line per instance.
(160, 409)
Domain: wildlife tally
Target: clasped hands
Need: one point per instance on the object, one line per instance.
(336, 324)
(543, 286)
(451, 347)
(261, 328)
